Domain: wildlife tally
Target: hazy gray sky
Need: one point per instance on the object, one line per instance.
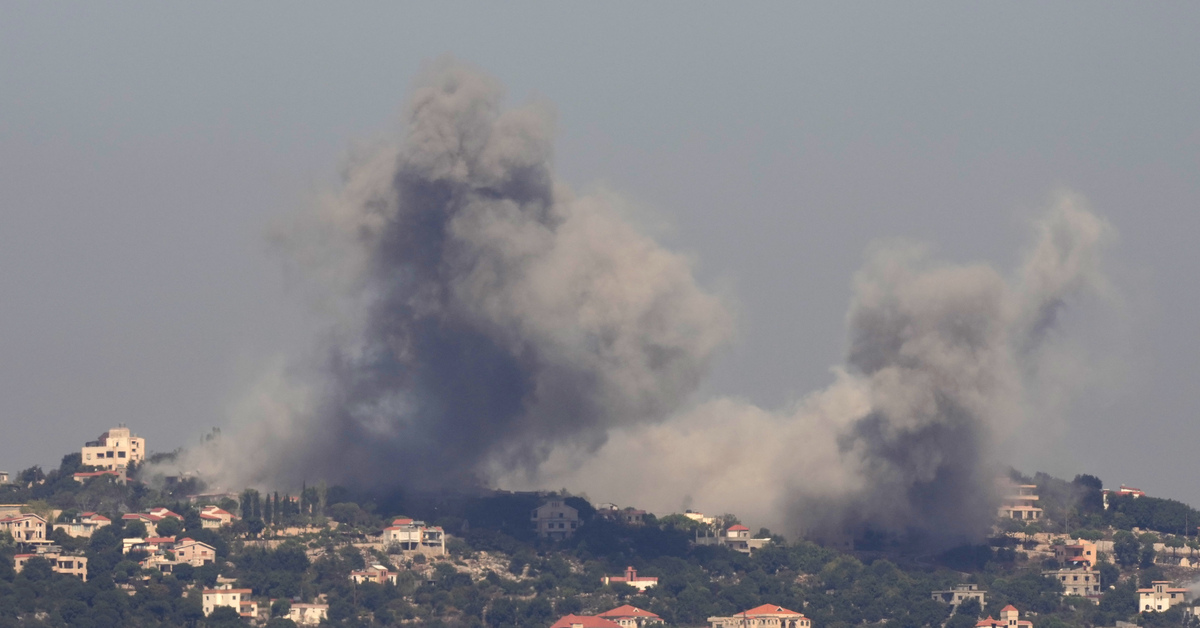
(145, 149)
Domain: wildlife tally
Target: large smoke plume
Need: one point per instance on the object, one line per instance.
(944, 364)
(490, 314)
(496, 328)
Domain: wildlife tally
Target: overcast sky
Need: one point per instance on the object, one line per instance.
(145, 149)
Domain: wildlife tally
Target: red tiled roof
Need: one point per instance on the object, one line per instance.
(587, 621)
(739, 528)
(1010, 607)
(768, 609)
(628, 611)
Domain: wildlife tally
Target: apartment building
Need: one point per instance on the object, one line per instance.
(115, 449)
(555, 520)
(59, 563)
(1080, 580)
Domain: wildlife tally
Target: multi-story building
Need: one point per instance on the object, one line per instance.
(84, 525)
(415, 536)
(115, 449)
(25, 528)
(194, 552)
(59, 563)
(555, 520)
(960, 593)
(1077, 552)
(765, 616)
(1020, 503)
(237, 599)
(1123, 491)
(641, 583)
(1080, 580)
(1160, 596)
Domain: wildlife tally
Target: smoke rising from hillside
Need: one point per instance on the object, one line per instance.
(943, 364)
(495, 328)
(487, 313)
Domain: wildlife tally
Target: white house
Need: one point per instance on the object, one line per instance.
(237, 599)
(1160, 596)
(555, 520)
(308, 614)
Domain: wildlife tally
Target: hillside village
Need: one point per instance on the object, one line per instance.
(92, 544)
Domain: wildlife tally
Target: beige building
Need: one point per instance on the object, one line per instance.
(1160, 596)
(1081, 581)
(4, 477)
(25, 528)
(84, 525)
(308, 614)
(555, 520)
(1077, 552)
(194, 552)
(212, 517)
(1020, 502)
(237, 599)
(115, 449)
(960, 593)
(59, 563)
(375, 573)
(765, 616)
(631, 617)
(415, 536)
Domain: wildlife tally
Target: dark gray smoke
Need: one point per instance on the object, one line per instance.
(943, 365)
(488, 314)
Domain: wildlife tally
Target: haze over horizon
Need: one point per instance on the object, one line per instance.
(145, 154)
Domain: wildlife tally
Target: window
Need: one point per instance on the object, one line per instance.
(120, 454)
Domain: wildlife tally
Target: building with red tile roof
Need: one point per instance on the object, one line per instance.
(765, 616)
(631, 617)
(641, 583)
(1010, 617)
(1160, 596)
(584, 621)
